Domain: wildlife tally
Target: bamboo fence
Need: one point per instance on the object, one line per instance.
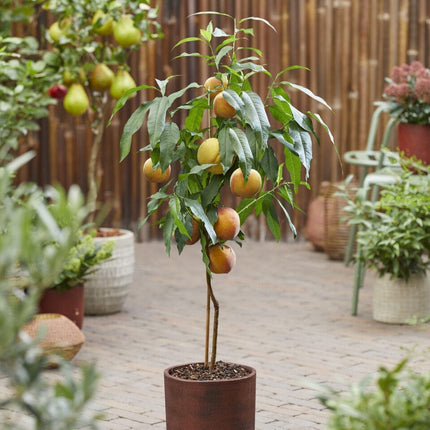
(349, 47)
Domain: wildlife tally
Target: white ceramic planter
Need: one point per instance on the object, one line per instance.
(396, 301)
(107, 289)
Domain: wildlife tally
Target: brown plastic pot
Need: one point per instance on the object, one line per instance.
(69, 303)
(414, 140)
(210, 405)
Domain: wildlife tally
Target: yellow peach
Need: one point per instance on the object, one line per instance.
(222, 258)
(208, 153)
(156, 175)
(241, 188)
(227, 225)
(214, 86)
(222, 108)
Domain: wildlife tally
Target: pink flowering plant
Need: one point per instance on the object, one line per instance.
(408, 93)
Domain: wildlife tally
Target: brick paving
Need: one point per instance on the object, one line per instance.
(285, 310)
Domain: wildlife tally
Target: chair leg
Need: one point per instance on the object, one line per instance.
(350, 245)
(358, 283)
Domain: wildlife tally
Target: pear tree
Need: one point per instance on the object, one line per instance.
(90, 45)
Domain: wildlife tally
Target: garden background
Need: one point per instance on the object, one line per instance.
(349, 47)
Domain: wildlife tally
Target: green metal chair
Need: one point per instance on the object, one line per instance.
(383, 163)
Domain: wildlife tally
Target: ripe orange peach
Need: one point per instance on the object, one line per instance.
(195, 235)
(227, 225)
(222, 258)
(222, 108)
(241, 188)
(156, 175)
(214, 86)
(208, 153)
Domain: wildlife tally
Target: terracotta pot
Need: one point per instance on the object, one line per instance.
(69, 303)
(414, 140)
(210, 405)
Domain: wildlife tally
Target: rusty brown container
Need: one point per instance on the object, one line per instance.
(210, 405)
(69, 303)
(414, 141)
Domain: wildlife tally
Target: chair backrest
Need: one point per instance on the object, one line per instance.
(374, 123)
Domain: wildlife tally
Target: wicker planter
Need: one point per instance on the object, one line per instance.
(210, 405)
(107, 289)
(395, 300)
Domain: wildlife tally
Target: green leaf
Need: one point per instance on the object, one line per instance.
(198, 211)
(221, 54)
(255, 116)
(211, 191)
(257, 18)
(307, 92)
(157, 118)
(271, 217)
(293, 165)
(287, 215)
(245, 208)
(195, 115)
(240, 145)
(181, 92)
(302, 145)
(168, 141)
(186, 40)
(168, 229)
(132, 125)
(233, 99)
(269, 163)
(175, 211)
(226, 149)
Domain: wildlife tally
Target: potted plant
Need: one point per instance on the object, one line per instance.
(394, 240)
(66, 295)
(91, 45)
(408, 98)
(223, 146)
(392, 398)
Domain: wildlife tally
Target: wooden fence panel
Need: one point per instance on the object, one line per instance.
(349, 46)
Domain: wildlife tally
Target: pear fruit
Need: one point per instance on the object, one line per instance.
(76, 101)
(102, 23)
(125, 32)
(122, 82)
(101, 77)
(58, 29)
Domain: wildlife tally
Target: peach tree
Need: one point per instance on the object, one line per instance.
(226, 143)
(91, 44)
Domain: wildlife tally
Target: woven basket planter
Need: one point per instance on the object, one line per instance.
(396, 301)
(107, 289)
(336, 231)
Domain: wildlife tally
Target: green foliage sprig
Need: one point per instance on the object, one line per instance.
(394, 234)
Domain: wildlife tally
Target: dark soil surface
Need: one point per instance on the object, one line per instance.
(200, 372)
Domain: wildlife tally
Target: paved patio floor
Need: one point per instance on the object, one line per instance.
(285, 310)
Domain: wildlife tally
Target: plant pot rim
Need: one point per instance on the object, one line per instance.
(124, 233)
(252, 374)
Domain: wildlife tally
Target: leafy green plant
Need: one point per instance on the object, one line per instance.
(396, 398)
(35, 241)
(24, 82)
(90, 47)
(225, 143)
(83, 260)
(394, 234)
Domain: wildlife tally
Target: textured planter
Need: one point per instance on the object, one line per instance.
(107, 288)
(396, 301)
(414, 140)
(69, 303)
(210, 405)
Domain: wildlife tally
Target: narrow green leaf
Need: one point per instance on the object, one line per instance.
(302, 145)
(172, 97)
(269, 163)
(271, 217)
(168, 229)
(168, 140)
(195, 115)
(241, 147)
(293, 165)
(245, 208)
(226, 149)
(287, 215)
(198, 211)
(308, 92)
(186, 40)
(221, 54)
(233, 99)
(132, 125)
(157, 118)
(257, 18)
(175, 211)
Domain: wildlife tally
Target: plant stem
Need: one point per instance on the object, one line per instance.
(208, 315)
(215, 321)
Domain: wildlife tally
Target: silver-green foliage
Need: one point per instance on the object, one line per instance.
(35, 239)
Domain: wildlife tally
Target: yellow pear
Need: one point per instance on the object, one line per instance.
(122, 82)
(76, 101)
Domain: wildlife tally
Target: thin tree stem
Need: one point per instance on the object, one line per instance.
(208, 316)
(215, 324)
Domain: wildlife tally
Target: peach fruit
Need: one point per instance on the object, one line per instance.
(222, 258)
(222, 108)
(241, 188)
(156, 175)
(195, 235)
(208, 153)
(227, 225)
(214, 86)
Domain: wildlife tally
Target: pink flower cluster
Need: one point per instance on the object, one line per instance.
(410, 83)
